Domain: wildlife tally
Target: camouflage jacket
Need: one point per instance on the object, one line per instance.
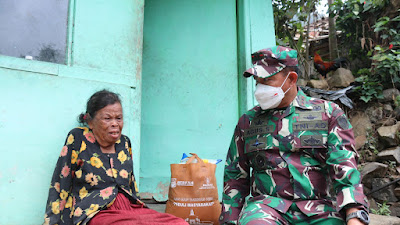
(303, 154)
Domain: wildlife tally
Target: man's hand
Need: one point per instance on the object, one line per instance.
(353, 221)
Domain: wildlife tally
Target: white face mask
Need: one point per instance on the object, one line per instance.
(270, 97)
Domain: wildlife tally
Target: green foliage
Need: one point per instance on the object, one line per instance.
(370, 88)
(355, 19)
(372, 37)
(386, 60)
(383, 209)
(290, 17)
(397, 101)
(372, 141)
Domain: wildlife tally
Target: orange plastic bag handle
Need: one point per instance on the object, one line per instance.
(195, 156)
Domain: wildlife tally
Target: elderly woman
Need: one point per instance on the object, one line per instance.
(93, 182)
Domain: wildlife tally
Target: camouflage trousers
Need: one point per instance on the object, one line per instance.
(260, 214)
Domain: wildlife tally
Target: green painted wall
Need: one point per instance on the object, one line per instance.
(193, 57)
(255, 31)
(189, 101)
(41, 101)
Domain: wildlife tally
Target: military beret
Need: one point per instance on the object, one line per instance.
(268, 62)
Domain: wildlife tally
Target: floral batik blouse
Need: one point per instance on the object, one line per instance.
(86, 180)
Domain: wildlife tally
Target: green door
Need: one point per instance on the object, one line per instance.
(189, 86)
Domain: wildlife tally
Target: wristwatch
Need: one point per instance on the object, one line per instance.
(362, 215)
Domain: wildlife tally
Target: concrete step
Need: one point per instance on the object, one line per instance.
(384, 220)
(153, 204)
(159, 207)
(375, 219)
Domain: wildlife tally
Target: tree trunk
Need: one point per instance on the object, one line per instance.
(307, 65)
(333, 52)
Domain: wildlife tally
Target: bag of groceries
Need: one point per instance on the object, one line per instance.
(193, 194)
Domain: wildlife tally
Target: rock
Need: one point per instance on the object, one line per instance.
(361, 123)
(320, 84)
(341, 78)
(387, 109)
(387, 122)
(392, 154)
(360, 141)
(372, 170)
(394, 209)
(385, 194)
(390, 95)
(388, 135)
(396, 113)
(369, 155)
(372, 203)
(301, 82)
(384, 220)
(375, 113)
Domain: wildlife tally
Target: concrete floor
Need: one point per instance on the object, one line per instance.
(158, 206)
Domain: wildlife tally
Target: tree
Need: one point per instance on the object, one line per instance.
(290, 16)
(333, 51)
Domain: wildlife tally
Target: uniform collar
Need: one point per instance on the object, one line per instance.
(302, 100)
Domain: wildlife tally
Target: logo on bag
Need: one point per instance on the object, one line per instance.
(208, 184)
(173, 182)
(184, 183)
(193, 219)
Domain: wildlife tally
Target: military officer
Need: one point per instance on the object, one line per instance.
(292, 158)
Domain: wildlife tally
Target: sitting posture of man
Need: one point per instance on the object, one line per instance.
(295, 154)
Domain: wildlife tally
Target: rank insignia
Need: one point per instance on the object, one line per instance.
(311, 140)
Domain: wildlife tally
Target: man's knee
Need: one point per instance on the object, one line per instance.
(257, 214)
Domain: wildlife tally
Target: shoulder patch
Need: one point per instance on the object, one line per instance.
(343, 122)
(319, 107)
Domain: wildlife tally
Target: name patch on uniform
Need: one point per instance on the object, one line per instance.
(253, 131)
(311, 140)
(310, 125)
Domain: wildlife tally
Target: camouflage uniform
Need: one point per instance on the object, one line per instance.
(288, 160)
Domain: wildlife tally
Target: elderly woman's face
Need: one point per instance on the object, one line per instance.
(107, 125)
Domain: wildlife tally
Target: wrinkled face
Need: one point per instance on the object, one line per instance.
(107, 124)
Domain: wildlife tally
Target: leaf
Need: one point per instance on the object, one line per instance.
(367, 6)
(366, 99)
(397, 18)
(300, 42)
(377, 29)
(384, 19)
(356, 10)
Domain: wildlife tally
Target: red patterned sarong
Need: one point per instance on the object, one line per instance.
(123, 212)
